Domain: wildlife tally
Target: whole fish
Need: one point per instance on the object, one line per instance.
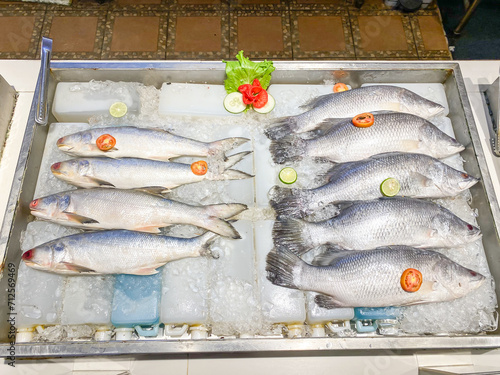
(114, 251)
(131, 209)
(143, 143)
(390, 132)
(129, 173)
(351, 103)
(367, 225)
(372, 278)
(420, 176)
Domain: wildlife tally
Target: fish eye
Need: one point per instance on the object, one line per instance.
(55, 166)
(34, 203)
(470, 227)
(28, 254)
(465, 175)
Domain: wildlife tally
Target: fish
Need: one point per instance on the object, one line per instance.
(131, 173)
(372, 278)
(390, 132)
(114, 252)
(102, 208)
(419, 176)
(143, 143)
(365, 225)
(351, 103)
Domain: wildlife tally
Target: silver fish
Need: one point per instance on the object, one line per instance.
(390, 132)
(420, 176)
(351, 103)
(143, 143)
(372, 278)
(131, 209)
(129, 173)
(383, 222)
(114, 251)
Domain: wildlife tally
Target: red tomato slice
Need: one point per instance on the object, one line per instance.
(411, 280)
(246, 90)
(363, 120)
(261, 99)
(200, 167)
(339, 87)
(256, 83)
(105, 142)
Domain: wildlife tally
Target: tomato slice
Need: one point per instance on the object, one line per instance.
(199, 167)
(261, 99)
(105, 142)
(246, 90)
(363, 120)
(339, 87)
(411, 280)
(256, 83)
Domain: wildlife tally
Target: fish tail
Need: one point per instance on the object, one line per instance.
(282, 267)
(287, 150)
(231, 174)
(290, 234)
(234, 159)
(225, 210)
(282, 127)
(288, 202)
(205, 240)
(221, 227)
(222, 146)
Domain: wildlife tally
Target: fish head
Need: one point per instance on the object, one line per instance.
(449, 230)
(449, 180)
(454, 280)
(77, 143)
(440, 143)
(47, 257)
(75, 171)
(411, 102)
(51, 206)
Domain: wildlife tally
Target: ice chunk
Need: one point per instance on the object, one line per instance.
(289, 98)
(78, 101)
(279, 305)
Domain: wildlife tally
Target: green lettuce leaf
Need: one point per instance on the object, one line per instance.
(245, 71)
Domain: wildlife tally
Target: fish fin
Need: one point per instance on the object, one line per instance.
(281, 128)
(79, 218)
(149, 229)
(230, 174)
(221, 227)
(222, 146)
(288, 149)
(145, 271)
(225, 210)
(156, 190)
(234, 159)
(333, 173)
(77, 268)
(289, 202)
(317, 102)
(328, 255)
(100, 182)
(421, 179)
(282, 266)
(326, 302)
(205, 240)
(289, 234)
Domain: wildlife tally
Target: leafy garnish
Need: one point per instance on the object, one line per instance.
(243, 71)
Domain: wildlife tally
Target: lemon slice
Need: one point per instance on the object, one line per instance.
(118, 109)
(390, 187)
(288, 175)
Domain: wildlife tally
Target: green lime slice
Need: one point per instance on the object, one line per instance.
(288, 175)
(390, 187)
(118, 109)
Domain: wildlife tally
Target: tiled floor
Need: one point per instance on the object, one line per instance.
(218, 29)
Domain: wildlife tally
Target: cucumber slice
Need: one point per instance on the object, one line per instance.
(390, 187)
(288, 175)
(268, 107)
(234, 102)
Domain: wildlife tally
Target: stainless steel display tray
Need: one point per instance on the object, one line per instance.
(17, 214)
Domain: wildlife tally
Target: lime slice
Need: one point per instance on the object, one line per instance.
(234, 102)
(390, 187)
(268, 107)
(288, 175)
(118, 109)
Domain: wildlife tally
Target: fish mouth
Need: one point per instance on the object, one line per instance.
(64, 147)
(464, 185)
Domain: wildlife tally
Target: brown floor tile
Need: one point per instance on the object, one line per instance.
(135, 34)
(20, 31)
(429, 35)
(317, 4)
(321, 34)
(194, 2)
(198, 35)
(382, 34)
(369, 4)
(259, 4)
(138, 2)
(261, 34)
(199, 5)
(76, 34)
